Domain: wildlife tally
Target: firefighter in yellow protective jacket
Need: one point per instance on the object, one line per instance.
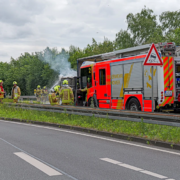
(44, 94)
(66, 94)
(58, 88)
(52, 97)
(38, 93)
(35, 92)
(1, 91)
(86, 88)
(16, 92)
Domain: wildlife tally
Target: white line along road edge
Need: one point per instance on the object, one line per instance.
(97, 137)
(39, 165)
(135, 168)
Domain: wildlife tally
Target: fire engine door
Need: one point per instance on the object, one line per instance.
(101, 86)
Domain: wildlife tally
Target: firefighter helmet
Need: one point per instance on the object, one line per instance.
(56, 88)
(65, 82)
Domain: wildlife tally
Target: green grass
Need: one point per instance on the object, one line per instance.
(24, 101)
(8, 100)
(141, 129)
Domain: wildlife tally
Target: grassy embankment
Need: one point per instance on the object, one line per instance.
(149, 131)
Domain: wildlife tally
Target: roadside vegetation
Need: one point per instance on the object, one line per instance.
(27, 101)
(149, 131)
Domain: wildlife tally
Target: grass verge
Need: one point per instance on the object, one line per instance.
(24, 101)
(138, 129)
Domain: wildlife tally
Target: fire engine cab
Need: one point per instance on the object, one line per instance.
(118, 80)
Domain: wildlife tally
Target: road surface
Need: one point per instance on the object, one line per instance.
(33, 152)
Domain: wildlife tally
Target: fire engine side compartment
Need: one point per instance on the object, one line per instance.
(130, 79)
(126, 82)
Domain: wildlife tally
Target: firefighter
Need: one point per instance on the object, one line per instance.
(78, 86)
(38, 93)
(58, 88)
(35, 92)
(88, 86)
(16, 92)
(44, 94)
(66, 94)
(52, 97)
(1, 91)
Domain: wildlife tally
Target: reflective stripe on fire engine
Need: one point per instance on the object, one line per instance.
(168, 79)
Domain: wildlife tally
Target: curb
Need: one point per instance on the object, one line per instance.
(102, 133)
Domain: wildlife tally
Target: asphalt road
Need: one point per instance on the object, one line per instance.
(32, 152)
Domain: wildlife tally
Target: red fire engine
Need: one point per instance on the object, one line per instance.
(118, 80)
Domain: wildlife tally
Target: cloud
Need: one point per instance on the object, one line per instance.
(19, 12)
(32, 25)
(3, 54)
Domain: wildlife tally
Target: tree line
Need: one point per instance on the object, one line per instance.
(144, 27)
(28, 71)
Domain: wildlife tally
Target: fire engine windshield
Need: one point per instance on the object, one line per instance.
(86, 79)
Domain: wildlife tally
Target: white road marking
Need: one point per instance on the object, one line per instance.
(135, 168)
(97, 137)
(130, 167)
(154, 174)
(110, 160)
(39, 165)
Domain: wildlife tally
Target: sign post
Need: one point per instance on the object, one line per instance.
(152, 68)
(153, 59)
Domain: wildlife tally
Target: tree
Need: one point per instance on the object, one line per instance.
(29, 72)
(174, 36)
(170, 21)
(142, 25)
(156, 37)
(124, 40)
(74, 54)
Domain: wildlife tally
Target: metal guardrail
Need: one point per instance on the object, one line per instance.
(24, 97)
(27, 97)
(147, 117)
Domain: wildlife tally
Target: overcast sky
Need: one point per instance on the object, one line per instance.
(32, 25)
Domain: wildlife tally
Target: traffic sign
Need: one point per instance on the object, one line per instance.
(153, 58)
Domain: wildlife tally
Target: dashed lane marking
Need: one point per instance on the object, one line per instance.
(39, 165)
(154, 174)
(135, 168)
(130, 167)
(111, 161)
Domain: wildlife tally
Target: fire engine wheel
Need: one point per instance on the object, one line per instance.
(134, 105)
(90, 101)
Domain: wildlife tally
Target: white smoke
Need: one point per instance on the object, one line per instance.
(58, 61)
(57, 82)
